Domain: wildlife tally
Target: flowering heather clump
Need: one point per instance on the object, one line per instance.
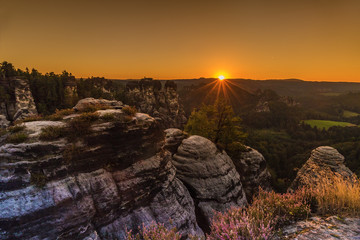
(238, 224)
(155, 231)
(259, 220)
(285, 207)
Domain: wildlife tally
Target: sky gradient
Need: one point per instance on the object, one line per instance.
(258, 39)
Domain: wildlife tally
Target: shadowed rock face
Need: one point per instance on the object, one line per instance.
(251, 166)
(118, 176)
(20, 103)
(148, 96)
(324, 160)
(210, 176)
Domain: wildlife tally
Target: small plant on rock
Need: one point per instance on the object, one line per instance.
(52, 133)
(16, 128)
(155, 231)
(16, 138)
(129, 110)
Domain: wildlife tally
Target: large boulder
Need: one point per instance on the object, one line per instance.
(324, 161)
(92, 102)
(210, 176)
(173, 138)
(251, 166)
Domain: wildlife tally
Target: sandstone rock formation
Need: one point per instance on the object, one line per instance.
(329, 228)
(251, 166)
(4, 123)
(19, 103)
(92, 102)
(118, 176)
(150, 97)
(173, 139)
(210, 176)
(323, 161)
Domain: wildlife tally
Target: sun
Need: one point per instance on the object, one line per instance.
(221, 77)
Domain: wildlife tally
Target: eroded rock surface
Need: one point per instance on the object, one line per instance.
(251, 166)
(20, 102)
(317, 228)
(323, 161)
(148, 96)
(210, 176)
(92, 102)
(116, 177)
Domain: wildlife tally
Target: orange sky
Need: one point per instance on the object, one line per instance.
(258, 39)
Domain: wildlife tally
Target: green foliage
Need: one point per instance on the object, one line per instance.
(58, 91)
(326, 124)
(7, 69)
(129, 110)
(16, 128)
(18, 137)
(108, 117)
(52, 133)
(219, 124)
(80, 126)
(349, 114)
(59, 114)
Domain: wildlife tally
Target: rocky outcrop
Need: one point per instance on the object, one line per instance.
(324, 161)
(4, 123)
(173, 139)
(19, 103)
(251, 166)
(116, 177)
(317, 228)
(85, 103)
(210, 176)
(150, 97)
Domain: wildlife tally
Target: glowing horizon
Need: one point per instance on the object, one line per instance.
(280, 39)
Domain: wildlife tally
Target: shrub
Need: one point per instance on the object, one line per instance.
(129, 110)
(31, 119)
(337, 195)
(78, 127)
(17, 137)
(38, 179)
(108, 117)
(94, 107)
(155, 231)
(260, 220)
(59, 114)
(89, 117)
(81, 125)
(51, 133)
(16, 128)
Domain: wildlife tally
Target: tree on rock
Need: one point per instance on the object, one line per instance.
(219, 124)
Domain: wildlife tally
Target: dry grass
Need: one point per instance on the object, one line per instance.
(129, 110)
(59, 114)
(337, 195)
(18, 137)
(52, 133)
